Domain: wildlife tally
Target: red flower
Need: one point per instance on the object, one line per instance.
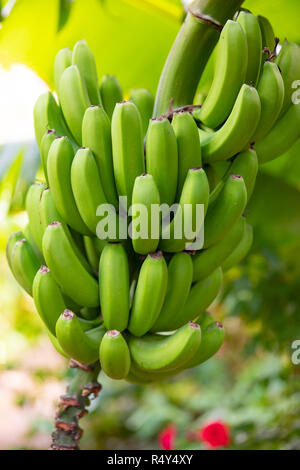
(167, 438)
(215, 434)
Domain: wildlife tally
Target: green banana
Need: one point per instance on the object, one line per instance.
(206, 261)
(47, 210)
(47, 115)
(149, 294)
(241, 250)
(96, 135)
(144, 101)
(74, 100)
(79, 345)
(195, 193)
(25, 264)
(111, 93)
(128, 147)
(246, 165)
(48, 298)
(180, 276)
(114, 287)
(12, 240)
(46, 142)
(201, 296)
(162, 158)
(267, 33)
(288, 61)
(212, 340)
(84, 59)
(271, 92)
(143, 377)
(33, 198)
(56, 345)
(59, 164)
(225, 211)
(67, 269)
(237, 131)
(62, 61)
(205, 320)
(281, 138)
(29, 238)
(251, 28)
(114, 355)
(230, 73)
(145, 194)
(165, 353)
(91, 253)
(87, 187)
(188, 144)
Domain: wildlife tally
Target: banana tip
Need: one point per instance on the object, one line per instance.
(44, 270)
(68, 315)
(193, 325)
(113, 333)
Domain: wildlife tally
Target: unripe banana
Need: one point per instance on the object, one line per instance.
(188, 144)
(62, 61)
(67, 269)
(25, 264)
(271, 92)
(12, 240)
(48, 298)
(165, 353)
(201, 296)
(180, 276)
(237, 131)
(212, 340)
(143, 377)
(230, 73)
(114, 287)
(225, 211)
(128, 147)
(46, 142)
(149, 294)
(91, 253)
(114, 355)
(29, 238)
(57, 346)
(246, 165)
(87, 187)
(288, 61)
(205, 320)
(33, 198)
(240, 251)
(47, 115)
(84, 59)
(162, 158)
(60, 160)
(96, 135)
(251, 28)
(74, 100)
(281, 138)
(111, 93)
(145, 194)
(47, 210)
(267, 33)
(79, 345)
(206, 261)
(144, 101)
(195, 193)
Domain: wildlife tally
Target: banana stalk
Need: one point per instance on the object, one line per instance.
(191, 51)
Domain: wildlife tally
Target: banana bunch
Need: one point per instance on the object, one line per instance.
(139, 304)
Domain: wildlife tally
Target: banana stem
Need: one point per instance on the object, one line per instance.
(72, 406)
(191, 51)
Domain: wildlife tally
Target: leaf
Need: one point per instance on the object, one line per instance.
(130, 39)
(65, 7)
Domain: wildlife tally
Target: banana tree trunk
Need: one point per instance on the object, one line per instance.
(191, 51)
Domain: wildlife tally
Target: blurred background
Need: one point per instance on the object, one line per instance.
(248, 396)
